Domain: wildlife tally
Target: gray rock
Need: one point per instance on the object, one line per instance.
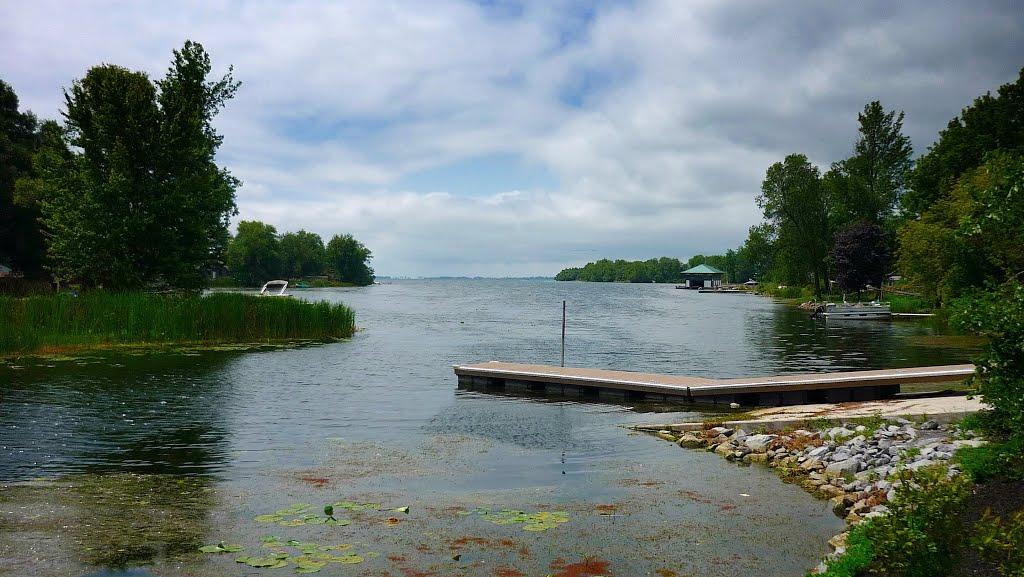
(846, 467)
(818, 451)
(721, 431)
(928, 426)
(759, 443)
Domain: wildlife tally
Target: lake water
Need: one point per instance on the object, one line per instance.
(110, 462)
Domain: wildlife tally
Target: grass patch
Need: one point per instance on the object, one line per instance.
(995, 460)
(96, 319)
(856, 559)
(908, 304)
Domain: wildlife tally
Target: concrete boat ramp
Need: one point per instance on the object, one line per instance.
(747, 391)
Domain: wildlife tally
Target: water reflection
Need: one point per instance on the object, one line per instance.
(148, 414)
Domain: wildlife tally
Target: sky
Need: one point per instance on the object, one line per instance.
(503, 138)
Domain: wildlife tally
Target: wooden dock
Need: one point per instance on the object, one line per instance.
(748, 391)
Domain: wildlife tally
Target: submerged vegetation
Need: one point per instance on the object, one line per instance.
(62, 321)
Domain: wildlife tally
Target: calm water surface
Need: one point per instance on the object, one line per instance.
(115, 461)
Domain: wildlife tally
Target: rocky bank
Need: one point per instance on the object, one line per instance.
(854, 465)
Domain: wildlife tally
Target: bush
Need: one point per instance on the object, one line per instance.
(922, 532)
(1001, 542)
(998, 315)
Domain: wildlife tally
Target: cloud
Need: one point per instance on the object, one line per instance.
(651, 122)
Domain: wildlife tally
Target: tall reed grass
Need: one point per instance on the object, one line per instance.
(59, 321)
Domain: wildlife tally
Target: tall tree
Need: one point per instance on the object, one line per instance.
(990, 123)
(348, 260)
(793, 201)
(99, 206)
(869, 185)
(197, 197)
(132, 194)
(254, 254)
(21, 242)
(302, 254)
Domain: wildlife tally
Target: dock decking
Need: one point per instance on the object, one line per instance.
(747, 391)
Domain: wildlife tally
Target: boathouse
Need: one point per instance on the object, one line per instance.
(702, 276)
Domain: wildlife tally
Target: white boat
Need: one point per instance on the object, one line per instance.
(275, 288)
(859, 311)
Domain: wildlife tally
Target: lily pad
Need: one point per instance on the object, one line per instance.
(221, 548)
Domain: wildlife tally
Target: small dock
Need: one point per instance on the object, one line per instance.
(604, 384)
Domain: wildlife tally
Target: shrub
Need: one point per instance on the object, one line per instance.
(998, 315)
(922, 532)
(1001, 542)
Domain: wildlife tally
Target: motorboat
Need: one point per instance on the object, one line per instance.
(275, 288)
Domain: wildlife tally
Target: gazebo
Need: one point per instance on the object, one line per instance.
(702, 276)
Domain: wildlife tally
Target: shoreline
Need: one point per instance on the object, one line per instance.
(854, 462)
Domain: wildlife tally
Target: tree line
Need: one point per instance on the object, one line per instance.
(736, 265)
(257, 254)
(948, 222)
(125, 192)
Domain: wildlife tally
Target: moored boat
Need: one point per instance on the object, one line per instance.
(859, 311)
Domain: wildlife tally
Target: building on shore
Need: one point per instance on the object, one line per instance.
(702, 276)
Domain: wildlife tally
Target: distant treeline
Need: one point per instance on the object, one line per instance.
(735, 263)
(257, 254)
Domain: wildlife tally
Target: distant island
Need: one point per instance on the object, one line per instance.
(736, 266)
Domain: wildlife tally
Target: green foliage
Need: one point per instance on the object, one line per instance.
(130, 192)
(970, 236)
(923, 531)
(857, 557)
(994, 460)
(907, 303)
(1001, 541)
(348, 260)
(302, 254)
(998, 314)
(254, 254)
(868, 185)
(794, 204)
(21, 240)
(990, 123)
(102, 318)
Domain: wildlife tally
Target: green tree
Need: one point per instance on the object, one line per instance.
(303, 254)
(197, 197)
(793, 201)
(254, 254)
(348, 260)
(868, 185)
(990, 123)
(21, 241)
(98, 202)
(131, 194)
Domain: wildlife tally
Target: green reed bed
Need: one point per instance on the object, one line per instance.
(55, 322)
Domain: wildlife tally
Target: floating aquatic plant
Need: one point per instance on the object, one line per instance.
(298, 515)
(221, 548)
(539, 521)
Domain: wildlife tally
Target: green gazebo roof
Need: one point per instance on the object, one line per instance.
(703, 269)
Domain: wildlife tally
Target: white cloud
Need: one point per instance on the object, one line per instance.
(656, 119)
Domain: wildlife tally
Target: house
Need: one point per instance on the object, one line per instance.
(702, 276)
(5, 271)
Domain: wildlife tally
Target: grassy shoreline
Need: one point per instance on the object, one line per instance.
(60, 323)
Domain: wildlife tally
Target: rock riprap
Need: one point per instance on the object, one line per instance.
(853, 465)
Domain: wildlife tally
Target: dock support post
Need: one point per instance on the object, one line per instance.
(563, 333)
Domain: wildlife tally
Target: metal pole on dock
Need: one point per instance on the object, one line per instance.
(563, 333)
